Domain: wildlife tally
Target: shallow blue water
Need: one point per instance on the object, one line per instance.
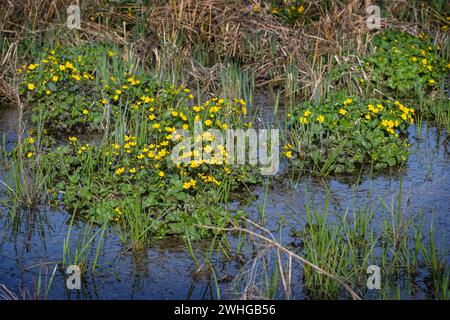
(32, 247)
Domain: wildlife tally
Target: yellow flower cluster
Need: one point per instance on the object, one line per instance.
(287, 150)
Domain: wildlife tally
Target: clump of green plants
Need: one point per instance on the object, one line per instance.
(345, 244)
(343, 134)
(129, 177)
(404, 63)
(290, 12)
(78, 89)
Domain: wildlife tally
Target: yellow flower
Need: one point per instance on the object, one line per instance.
(208, 149)
(368, 116)
(347, 102)
(208, 122)
(191, 96)
(424, 61)
(307, 113)
(185, 126)
(132, 170)
(69, 65)
(186, 185)
(29, 154)
(151, 116)
(156, 126)
(342, 111)
(31, 86)
(161, 174)
(104, 101)
(146, 99)
(85, 111)
(55, 78)
(120, 171)
(431, 81)
(62, 67)
(47, 92)
(111, 53)
(320, 118)
(31, 140)
(174, 114)
(73, 139)
(288, 154)
(76, 77)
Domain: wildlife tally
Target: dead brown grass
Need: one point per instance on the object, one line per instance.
(241, 31)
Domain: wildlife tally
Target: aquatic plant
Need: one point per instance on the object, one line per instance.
(404, 63)
(343, 133)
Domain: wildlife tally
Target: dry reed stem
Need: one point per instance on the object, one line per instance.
(271, 241)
